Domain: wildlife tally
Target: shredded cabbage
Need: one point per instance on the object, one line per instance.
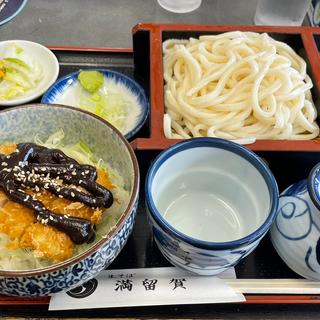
(19, 259)
(80, 151)
(111, 107)
(19, 72)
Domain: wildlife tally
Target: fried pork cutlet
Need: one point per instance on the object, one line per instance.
(19, 222)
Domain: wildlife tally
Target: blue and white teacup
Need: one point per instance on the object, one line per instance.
(210, 202)
(296, 232)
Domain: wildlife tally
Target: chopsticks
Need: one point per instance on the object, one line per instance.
(275, 286)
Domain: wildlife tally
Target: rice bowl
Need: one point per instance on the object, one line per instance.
(88, 259)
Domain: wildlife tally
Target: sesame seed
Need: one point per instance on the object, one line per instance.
(72, 194)
(4, 164)
(60, 196)
(44, 221)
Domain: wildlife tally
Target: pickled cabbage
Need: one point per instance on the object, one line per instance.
(19, 72)
(110, 100)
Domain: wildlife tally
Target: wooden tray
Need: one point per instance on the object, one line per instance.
(147, 42)
(140, 250)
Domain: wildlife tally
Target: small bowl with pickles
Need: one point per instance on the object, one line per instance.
(108, 94)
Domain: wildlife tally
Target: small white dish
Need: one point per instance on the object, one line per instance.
(44, 58)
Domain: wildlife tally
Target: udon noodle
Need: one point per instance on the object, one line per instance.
(236, 85)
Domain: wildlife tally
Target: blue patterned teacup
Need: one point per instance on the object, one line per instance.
(210, 202)
(296, 231)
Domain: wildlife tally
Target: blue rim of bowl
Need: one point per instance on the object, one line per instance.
(120, 223)
(313, 185)
(65, 81)
(229, 146)
(23, 4)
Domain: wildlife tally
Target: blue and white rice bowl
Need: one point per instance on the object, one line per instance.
(210, 202)
(18, 125)
(67, 90)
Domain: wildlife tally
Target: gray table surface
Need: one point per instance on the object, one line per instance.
(108, 23)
